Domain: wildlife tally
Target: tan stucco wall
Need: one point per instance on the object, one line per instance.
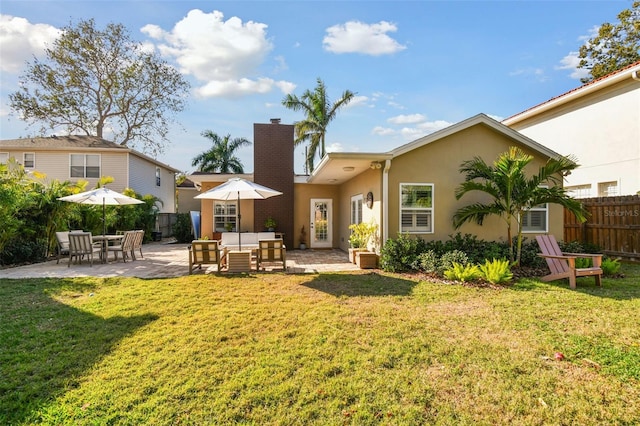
(438, 163)
(368, 181)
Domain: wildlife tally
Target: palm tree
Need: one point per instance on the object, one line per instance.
(513, 193)
(220, 158)
(319, 113)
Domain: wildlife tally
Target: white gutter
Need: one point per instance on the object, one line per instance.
(385, 204)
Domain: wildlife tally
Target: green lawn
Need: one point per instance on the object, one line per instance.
(328, 349)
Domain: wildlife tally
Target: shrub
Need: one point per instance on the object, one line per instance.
(610, 266)
(460, 272)
(496, 271)
(182, 228)
(428, 261)
(401, 254)
(449, 258)
(20, 251)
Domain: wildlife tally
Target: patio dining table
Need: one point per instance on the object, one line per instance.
(105, 239)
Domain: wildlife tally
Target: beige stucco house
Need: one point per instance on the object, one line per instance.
(599, 123)
(378, 188)
(76, 157)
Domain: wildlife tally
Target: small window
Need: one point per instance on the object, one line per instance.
(29, 160)
(224, 216)
(536, 219)
(579, 191)
(157, 176)
(84, 166)
(605, 189)
(4, 157)
(356, 209)
(416, 208)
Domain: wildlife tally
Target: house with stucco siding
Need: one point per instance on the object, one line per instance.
(408, 190)
(599, 123)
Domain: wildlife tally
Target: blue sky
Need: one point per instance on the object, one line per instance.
(416, 66)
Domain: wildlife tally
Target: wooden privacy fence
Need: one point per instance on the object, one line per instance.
(613, 224)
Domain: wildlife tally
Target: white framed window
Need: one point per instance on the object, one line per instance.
(224, 216)
(157, 176)
(536, 219)
(416, 207)
(579, 191)
(29, 160)
(84, 165)
(356, 209)
(4, 157)
(606, 189)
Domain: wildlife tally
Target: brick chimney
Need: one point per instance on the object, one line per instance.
(273, 167)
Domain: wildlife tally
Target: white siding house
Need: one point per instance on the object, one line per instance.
(75, 157)
(599, 123)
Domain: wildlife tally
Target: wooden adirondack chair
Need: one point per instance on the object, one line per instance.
(271, 251)
(563, 265)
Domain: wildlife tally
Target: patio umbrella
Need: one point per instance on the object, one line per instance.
(240, 189)
(101, 196)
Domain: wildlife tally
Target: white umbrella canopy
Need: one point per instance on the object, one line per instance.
(104, 197)
(240, 189)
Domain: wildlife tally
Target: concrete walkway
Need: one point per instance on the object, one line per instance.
(164, 260)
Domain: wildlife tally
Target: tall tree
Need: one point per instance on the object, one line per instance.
(512, 192)
(94, 80)
(221, 157)
(319, 113)
(615, 46)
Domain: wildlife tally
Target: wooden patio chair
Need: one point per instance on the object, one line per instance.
(62, 240)
(563, 265)
(125, 247)
(80, 245)
(203, 252)
(137, 244)
(270, 251)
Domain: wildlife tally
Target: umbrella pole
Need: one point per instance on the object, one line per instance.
(239, 220)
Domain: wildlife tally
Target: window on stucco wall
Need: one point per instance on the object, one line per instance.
(416, 207)
(536, 219)
(356, 209)
(224, 216)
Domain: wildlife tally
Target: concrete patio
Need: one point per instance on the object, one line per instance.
(165, 259)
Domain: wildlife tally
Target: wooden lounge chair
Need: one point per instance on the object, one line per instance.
(270, 251)
(81, 245)
(563, 265)
(203, 252)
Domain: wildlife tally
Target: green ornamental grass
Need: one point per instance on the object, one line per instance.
(318, 349)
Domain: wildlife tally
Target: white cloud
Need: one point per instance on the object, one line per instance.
(358, 37)
(572, 60)
(537, 73)
(357, 101)
(407, 119)
(335, 147)
(241, 87)
(383, 131)
(20, 40)
(433, 126)
(224, 55)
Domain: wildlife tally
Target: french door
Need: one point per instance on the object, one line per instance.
(321, 223)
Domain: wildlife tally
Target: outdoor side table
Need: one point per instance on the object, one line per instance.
(239, 261)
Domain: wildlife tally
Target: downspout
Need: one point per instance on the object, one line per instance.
(635, 75)
(385, 204)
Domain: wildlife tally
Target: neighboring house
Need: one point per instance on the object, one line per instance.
(599, 123)
(186, 191)
(407, 190)
(73, 158)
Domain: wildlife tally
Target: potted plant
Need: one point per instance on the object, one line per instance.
(361, 235)
(228, 226)
(270, 224)
(303, 238)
